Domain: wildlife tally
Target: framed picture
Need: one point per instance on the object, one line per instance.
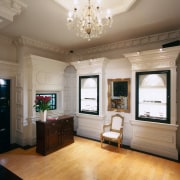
(119, 95)
(89, 94)
(153, 96)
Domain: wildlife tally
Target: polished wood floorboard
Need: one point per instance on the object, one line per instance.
(86, 160)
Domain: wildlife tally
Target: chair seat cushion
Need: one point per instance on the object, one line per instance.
(111, 135)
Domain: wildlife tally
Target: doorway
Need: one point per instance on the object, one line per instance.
(4, 115)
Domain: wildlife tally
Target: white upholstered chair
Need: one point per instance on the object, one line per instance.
(115, 130)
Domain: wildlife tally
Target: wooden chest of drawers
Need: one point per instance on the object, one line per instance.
(54, 134)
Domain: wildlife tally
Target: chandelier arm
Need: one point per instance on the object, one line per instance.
(88, 22)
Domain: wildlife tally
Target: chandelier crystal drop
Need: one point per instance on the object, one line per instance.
(90, 21)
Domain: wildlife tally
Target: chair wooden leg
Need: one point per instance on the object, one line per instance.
(119, 142)
(101, 140)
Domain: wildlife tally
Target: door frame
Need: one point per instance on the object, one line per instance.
(12, 107)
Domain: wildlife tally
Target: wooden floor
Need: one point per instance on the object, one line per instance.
(86, 160)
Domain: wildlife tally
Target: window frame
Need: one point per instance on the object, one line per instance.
(150, 118)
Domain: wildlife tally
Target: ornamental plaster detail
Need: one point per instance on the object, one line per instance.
(132, 42)
(9, 9)
(158, 59)
(147, 134)
(89, 66)
(26, 41)
(151, 65)
(98, 50)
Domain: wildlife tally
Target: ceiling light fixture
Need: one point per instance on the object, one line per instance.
(89, 21)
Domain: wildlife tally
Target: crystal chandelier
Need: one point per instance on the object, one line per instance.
(90, 21)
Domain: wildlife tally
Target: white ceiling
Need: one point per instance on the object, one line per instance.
(116, 6)
(45, 20)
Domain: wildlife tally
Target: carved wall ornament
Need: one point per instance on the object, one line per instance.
(9, 9)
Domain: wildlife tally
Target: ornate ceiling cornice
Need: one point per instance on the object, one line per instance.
(25, 41)
(97, 51)
(132, 42)
(9, 9)
(158, 58)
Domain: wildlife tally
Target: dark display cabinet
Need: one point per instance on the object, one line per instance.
(54, 134)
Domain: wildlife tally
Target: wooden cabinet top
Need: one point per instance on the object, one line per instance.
(60, 118)
(64, 117)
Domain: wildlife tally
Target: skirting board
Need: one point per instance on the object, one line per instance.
(164, 152)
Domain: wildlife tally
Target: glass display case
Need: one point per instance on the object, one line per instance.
(153, 96)
(89, 94)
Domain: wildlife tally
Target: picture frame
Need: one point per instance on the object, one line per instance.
(119, 95)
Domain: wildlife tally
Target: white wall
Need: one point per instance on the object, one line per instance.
(137, 134)
(90, 125)
(34, 74)
(70, 91)
(146, 134)
(115, 67)
(119, 68)
(40, 75)
(178, 104)
(7, 50)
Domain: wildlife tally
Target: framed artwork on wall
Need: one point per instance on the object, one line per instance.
(119, 95)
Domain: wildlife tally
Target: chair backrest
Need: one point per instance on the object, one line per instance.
(117, 122)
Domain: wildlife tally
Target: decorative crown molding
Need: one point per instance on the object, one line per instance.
(131, 42)
(26, 41)
(154, 59)
(9, 9)
(97, 51)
